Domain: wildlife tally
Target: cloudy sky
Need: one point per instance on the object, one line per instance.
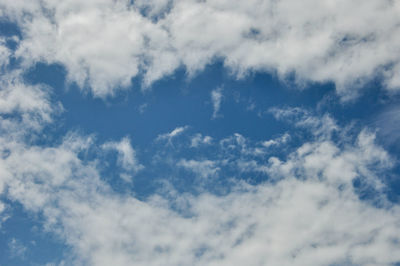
(199, 132)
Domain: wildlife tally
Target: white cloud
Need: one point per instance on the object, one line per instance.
(30, 102)
(204, 168)
(126, 157)
(171, 135)
(247, 148)
(235, 141)
(199, 139)
(103, 44)
(216, 98)
(319, 126)
(3, 215)
(278, 141)
(310, 215)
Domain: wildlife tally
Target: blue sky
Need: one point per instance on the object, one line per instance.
(199, 133)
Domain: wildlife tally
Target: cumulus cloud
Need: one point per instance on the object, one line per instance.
(104, 44)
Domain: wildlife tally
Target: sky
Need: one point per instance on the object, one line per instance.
(189, 132)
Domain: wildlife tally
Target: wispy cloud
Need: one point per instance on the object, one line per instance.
(17, 249)
(216, 98)
(388, 123)
(142, 108)
(199, 139)
(275, 142)
(204, 168)
(171, 135)
(126, 157)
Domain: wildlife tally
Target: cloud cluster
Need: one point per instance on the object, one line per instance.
(310, 215)
(104, 44)
(308, 212)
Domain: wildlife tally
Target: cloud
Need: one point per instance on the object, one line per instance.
(171, 135)
(126, 157)
(3, 215)
(104, 44)
(307, 212)
(388, 124)
(216, 98)
(199, 139)
(142, 108)
(235, 141)
(319, 126)
(17, 249)
(204, 169)
(5, 53)
(275, 142)
(30, 103)
(310, 214)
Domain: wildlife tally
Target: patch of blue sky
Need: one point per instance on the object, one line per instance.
(178, 101)
(37, 246)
